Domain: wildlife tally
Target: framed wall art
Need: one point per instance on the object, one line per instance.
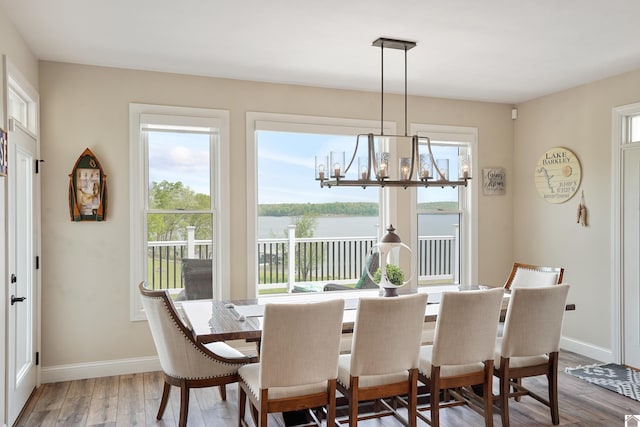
(87, 189)
(4, 153)
(493, 181)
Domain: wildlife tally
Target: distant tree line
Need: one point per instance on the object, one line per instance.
(340, 208)
(319, 209)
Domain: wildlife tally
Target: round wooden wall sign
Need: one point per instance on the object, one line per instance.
(557, 175)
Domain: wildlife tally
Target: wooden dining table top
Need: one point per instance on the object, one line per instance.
(212, 321)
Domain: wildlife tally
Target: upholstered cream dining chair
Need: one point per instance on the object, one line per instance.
(527, 275)
(462, 351)
(384, 354)
(530, 344)
(186, 363)
(298, 362)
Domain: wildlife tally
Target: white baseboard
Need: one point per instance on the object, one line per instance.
(589, 350)
(107, 368)
(52, 374)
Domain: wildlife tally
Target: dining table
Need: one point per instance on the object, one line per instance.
(213, 320)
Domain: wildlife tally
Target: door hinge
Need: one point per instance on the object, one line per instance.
(37, 358)
(38, 161)
(37, 263)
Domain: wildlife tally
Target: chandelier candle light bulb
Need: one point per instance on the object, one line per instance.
(337, 161)
(321, 162)
(405, 168)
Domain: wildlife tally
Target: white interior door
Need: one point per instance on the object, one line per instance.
(22, 292)
(631, 257)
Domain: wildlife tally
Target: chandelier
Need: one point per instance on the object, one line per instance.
(415, 168)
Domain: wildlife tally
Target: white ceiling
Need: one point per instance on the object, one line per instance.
(491, 50)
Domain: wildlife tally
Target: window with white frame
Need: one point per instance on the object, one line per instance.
(305, 237)
(22, 101)
(445, 217)
(634, 128)
(179, 193)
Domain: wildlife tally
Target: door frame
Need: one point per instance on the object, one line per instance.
(619, 144)
(13, 77)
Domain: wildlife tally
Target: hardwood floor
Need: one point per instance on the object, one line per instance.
(129, 400)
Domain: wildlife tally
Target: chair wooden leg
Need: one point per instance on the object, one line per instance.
(254, 414)
(242, 403)
(412, 399)
(552, 377)
(223, 391)
(331, 407)
(435, 396)
(164, 400)
(353, 402)
(519, 382)
(487, 389)
(184, 403)
(264, 410)
(504, 391)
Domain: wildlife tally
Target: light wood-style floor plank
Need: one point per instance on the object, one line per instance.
(128, 400)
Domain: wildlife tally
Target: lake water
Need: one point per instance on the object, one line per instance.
(354, 226)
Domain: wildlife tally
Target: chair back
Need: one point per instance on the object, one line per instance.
(371, 265)
(387, 334)
(197, 278)
(529, 276)
(177, 350)
(466, 327)
(534, 321)
(300, 343)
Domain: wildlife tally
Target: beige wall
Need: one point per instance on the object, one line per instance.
(86, 265)
(544, 233)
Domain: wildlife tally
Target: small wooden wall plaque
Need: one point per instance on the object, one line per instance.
(87, 189)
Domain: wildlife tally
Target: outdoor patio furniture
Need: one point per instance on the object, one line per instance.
(372, 263)
(197, 278)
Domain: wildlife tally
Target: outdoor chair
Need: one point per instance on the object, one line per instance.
(384, 356)
(298, 362)
(365, 282)
(185, 362)
(530, 345)
(462, 352)
(197, 278)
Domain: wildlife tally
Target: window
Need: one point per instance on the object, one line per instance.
(179, 229)
(445, 217)
(634, 128)
(330, 230)
(22, 101)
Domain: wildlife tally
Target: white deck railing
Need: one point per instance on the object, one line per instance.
(314, 261)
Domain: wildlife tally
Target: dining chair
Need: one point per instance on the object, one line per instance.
(531, 276)
(384, 354)
(462, 351)
(185, 362)
(530, 345)
(298, 362)
(527, 275)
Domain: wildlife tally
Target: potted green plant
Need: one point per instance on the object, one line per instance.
(394, 274)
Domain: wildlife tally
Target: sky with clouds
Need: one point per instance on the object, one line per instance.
(286, 166)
